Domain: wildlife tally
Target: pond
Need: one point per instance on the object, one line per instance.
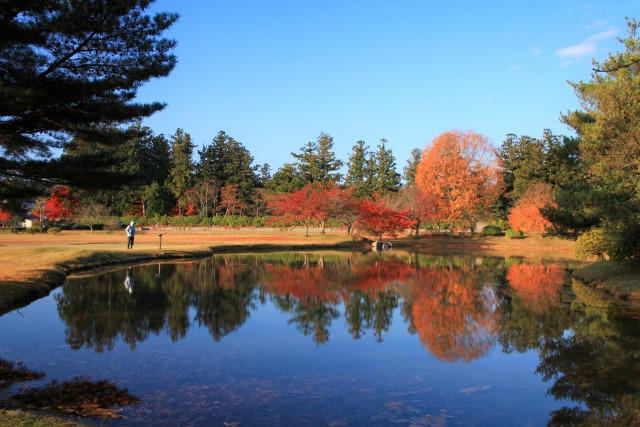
(325, 339)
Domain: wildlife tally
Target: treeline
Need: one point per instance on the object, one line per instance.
(69, 78)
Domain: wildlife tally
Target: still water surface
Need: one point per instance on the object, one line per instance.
(333, 339)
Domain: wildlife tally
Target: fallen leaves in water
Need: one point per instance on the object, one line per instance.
(11, 373)
(80, 397)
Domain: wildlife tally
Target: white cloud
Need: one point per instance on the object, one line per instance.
(588, 47)
(536, 50)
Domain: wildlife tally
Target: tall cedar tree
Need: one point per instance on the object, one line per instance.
(385, 178)
(317, 163)
(460, 169)
(67, 68)
(181, 175)
(359, 173)
(409, 171)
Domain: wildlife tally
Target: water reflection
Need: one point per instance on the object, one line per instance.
(458, 307)
(444, 299)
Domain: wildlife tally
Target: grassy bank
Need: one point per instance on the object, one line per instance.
(619, 280)
(25, 419)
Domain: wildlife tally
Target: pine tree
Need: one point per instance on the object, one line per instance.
(68, 70)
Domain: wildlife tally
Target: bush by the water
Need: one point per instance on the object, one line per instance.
(591, 243)
(54, 230)
(491, 230)
(513, 234)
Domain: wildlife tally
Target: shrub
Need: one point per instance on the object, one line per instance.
(54, 230)
(591, 243)
(491, 230)
(513, 234)
(626, 246)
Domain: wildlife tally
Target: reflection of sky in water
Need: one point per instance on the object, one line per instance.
(267, 372)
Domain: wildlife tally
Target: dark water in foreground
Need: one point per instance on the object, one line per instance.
(333, 339)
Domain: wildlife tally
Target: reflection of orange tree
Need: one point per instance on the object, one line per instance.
(454, 320)
(539, 285)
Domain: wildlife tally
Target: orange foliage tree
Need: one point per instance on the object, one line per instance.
(542, 281)
(461, 170)
(455, 321)
(525, 215)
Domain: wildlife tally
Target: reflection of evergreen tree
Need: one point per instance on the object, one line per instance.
(367, 310)
(382, 312)
(523, 329)
(99, 309)
(223, 311)
(313, 317)
(598, 366)
(356, 311)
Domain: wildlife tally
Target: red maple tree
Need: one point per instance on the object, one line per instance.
(377, 217)
(298, 206)
(61, 204)
(230, 200)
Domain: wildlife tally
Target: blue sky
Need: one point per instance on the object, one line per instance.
(274, 74)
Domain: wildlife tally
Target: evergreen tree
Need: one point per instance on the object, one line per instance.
(306, 162)
(317, 162)
(286, 180)
(608, 127)
(227, 161)
(412, 166)
(181, 175)
(359, 173)
(327, 164)
(158, 199)
(383, 164)
(68, 70)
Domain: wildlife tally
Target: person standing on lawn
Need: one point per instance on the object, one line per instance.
(131, 232)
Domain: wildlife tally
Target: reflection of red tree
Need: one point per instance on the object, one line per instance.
(303, 284)
(538, 284)
(455, 321)
(379, 275)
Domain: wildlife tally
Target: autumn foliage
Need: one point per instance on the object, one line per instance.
(460, 170)
(379, 218)
(539, 285)
(526, 216)
(60, 205)
(455, 321)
